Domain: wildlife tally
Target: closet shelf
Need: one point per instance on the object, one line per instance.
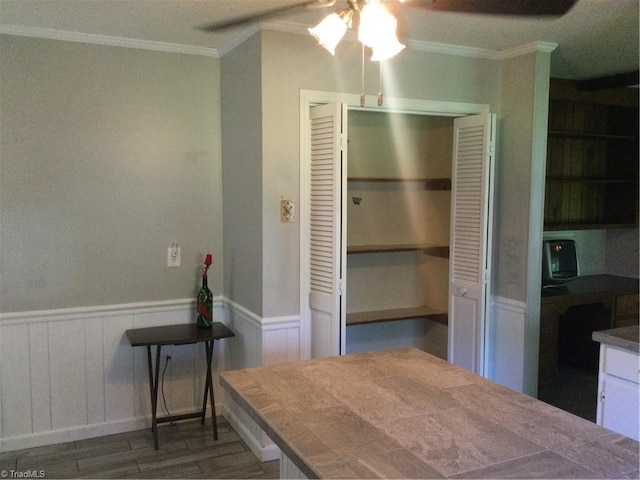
(429, 183)
(432, 250)
(395, 314)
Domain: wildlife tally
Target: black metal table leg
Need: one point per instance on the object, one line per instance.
(208, 390)
(153, 388)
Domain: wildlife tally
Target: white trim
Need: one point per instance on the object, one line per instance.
(265, 453)
(395, 104)
(456, 50)
(82, 432)
(107, 40)
(254, 319)
(505, 350)
(264, 323)
(278, 26)
(509, 305)
(280, 323)
(534, 47)
(243, 36)
(37, 316)
(425, 46)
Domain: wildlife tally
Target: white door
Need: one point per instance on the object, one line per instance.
(470, 241)
(327, 256)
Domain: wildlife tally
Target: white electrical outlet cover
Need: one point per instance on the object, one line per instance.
(173, 257)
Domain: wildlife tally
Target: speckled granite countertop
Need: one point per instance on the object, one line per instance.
(624, 337)
(407, 414)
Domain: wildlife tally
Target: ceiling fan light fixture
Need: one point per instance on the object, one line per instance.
(386, 49)
(378, 31)
(331, 29)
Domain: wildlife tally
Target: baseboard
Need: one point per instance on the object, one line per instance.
(84, 431)
(71, 434)
(264, 453)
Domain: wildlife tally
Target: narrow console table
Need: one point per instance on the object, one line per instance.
(184, 334)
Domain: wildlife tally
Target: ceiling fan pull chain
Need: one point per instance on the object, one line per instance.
(362, 102)
(380, 84)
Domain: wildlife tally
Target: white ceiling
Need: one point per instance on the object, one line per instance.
(595, 38)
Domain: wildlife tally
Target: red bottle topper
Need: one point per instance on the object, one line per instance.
(207, 263)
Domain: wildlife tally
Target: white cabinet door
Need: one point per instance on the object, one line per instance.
(619, 391)
(620, 406)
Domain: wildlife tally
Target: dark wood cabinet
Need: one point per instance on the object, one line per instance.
(592, 159)
(617, 295)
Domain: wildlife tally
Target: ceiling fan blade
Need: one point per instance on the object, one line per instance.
(497, 7)
(264, 15)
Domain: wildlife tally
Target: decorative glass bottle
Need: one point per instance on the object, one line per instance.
(204, 318)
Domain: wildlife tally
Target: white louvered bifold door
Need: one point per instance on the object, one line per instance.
(327, 235)
(470, 242)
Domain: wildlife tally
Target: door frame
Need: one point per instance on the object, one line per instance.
(308, 98)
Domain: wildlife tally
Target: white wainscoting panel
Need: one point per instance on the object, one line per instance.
(259, 341)
(506, 342)
(71, 374)
(280, 340)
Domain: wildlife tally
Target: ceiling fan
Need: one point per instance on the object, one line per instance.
(490, 7)
(377, 25)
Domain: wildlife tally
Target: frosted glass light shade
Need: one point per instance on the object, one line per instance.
(378, 31)
(329, 32)
(386, 49)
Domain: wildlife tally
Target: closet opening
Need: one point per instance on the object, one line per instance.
(398, 196)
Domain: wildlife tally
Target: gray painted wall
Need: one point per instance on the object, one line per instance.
(242, 170)
(292, 62)
(108, 155)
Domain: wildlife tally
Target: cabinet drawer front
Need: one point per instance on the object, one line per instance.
(622, 364)
(627, 305)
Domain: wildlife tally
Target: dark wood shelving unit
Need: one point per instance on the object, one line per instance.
(592, 160)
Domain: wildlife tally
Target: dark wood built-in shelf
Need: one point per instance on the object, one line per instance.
(441, 251)
(395, 314)
(590, 136)
(591, 180)
(592, 159)
(429, 183)
(586, 226)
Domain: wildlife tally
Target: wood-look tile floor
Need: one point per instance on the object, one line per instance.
(187, 450)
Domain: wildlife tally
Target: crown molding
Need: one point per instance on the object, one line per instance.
(53, 34)
(432, 47)
(275, 25)
(458, 50)
(241, 37)
(544, 47)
